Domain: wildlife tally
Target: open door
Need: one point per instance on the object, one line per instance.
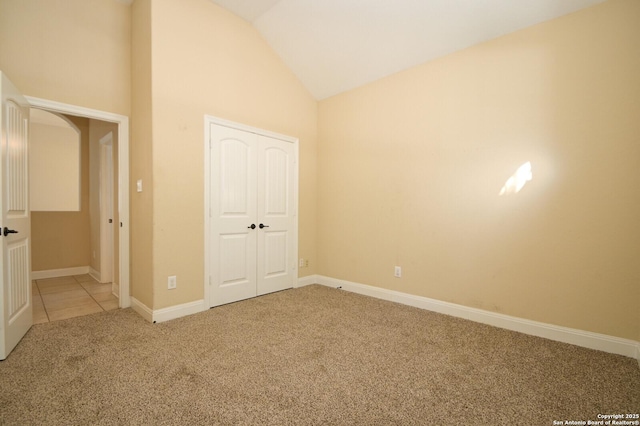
(15, 224)
(106, 209)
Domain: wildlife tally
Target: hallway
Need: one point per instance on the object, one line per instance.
(61, 298)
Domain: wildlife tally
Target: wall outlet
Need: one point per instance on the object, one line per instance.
(301, 263)
(172, 282)
(397, 272)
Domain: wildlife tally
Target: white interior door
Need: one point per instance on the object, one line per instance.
(106, 208)
(15, 253)
(233, 215)
(276, 215)
(252, 214)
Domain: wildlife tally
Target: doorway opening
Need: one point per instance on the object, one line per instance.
(112, 160)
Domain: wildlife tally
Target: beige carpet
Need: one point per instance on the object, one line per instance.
(307, 356)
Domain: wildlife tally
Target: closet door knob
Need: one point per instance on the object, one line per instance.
(8, 231)
(263, 226)
(253, 226)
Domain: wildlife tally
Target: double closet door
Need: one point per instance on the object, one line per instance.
(253, 214)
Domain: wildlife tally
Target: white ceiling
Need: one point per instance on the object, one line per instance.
(337, 45)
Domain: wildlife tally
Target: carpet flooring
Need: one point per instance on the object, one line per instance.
(308, 356)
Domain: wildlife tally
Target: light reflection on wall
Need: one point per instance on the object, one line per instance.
(518, 180)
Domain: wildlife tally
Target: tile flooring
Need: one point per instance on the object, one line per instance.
(67, 297)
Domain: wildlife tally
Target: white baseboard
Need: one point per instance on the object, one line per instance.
(142, 309)
(308, 280)
(166, 314)
(55, 273)
(177, 311)
(115, 289)
(586, 339)
(95, 274)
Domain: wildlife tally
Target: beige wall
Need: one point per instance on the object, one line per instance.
(54, 167)
(207, 61)
(141, 155)
(61, 239)
(71, 51)
(410, 168)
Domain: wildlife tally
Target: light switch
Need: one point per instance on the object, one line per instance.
(139, 185)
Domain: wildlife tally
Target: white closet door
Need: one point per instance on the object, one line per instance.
(253, 214)
(276, 215)
(233, 212)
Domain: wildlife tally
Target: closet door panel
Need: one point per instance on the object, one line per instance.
(276, 212)
(233, 211)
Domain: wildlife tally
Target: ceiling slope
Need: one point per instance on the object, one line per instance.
(337, 45)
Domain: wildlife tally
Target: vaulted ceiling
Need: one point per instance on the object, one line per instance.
(337, 45)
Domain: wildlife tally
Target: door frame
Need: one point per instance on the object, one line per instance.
(208, 121)
(123, 178)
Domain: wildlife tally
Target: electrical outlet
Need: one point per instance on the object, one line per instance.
(398, 272)
(172, 282)
(301, 263)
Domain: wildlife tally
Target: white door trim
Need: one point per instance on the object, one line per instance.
(208, 121)
(123, 177)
